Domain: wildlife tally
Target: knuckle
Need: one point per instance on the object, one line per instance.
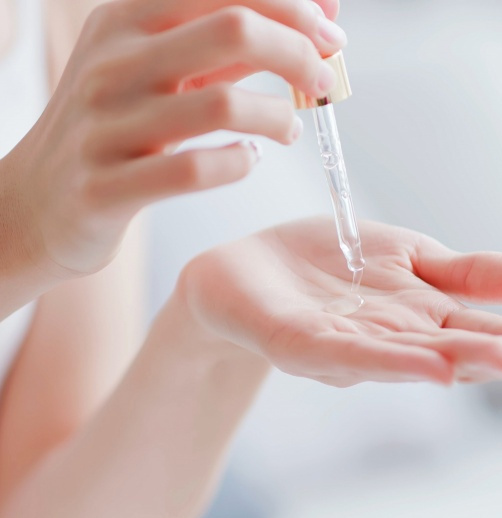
(236, 26)
(105, 187)
(90, 147)
(297, 11)
(97, 22)
(108, 73)
(220, 105)
(104, 21)
(94, 86)
(101, 16)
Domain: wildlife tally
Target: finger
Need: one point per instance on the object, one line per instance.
(476, 276)
(236, 36)
(155, 177)
(162, 120)
(301, 15)
(458, 346)
(367, 358)
(477, 374)
(342, 381)
(474, 320)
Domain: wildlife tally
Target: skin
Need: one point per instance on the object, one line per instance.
(209, 346)
(56, 362)
(97, 154)
(267, 308)
(413, 325)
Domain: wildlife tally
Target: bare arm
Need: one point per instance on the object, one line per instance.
(156, 447)
(83, 337)
(72, 368)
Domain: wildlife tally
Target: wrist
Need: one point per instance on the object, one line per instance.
(25, 270)
(195, 342)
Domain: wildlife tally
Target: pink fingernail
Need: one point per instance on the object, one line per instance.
(297, 129)
(255, 147)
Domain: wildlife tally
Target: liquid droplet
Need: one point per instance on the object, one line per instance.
(345, 305)
(357, 277)
(350, 303)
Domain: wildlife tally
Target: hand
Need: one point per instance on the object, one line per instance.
(146, 75)
(268, 293)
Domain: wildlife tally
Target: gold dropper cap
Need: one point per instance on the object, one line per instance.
(340, 92)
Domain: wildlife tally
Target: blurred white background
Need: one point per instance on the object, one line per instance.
(421, 137)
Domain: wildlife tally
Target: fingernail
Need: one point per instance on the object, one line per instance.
(327, 78)
(255, 147)
(297, 129)
(331, 32)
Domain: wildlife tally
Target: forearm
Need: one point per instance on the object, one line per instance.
(83, 338)
(25, 271)
(155, 447)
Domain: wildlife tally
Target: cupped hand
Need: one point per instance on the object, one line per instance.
(144, 76)
(269, 293)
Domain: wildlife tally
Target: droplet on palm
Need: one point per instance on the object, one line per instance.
(350, 303)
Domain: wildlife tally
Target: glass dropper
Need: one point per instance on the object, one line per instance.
(334, 167)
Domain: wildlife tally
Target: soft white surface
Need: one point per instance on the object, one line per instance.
(23, 82)
(23, 95)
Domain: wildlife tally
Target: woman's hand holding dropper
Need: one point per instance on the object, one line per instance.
(146, 75)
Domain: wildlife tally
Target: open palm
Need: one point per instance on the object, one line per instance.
(269, 293)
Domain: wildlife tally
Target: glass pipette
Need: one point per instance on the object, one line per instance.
(336, 173)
